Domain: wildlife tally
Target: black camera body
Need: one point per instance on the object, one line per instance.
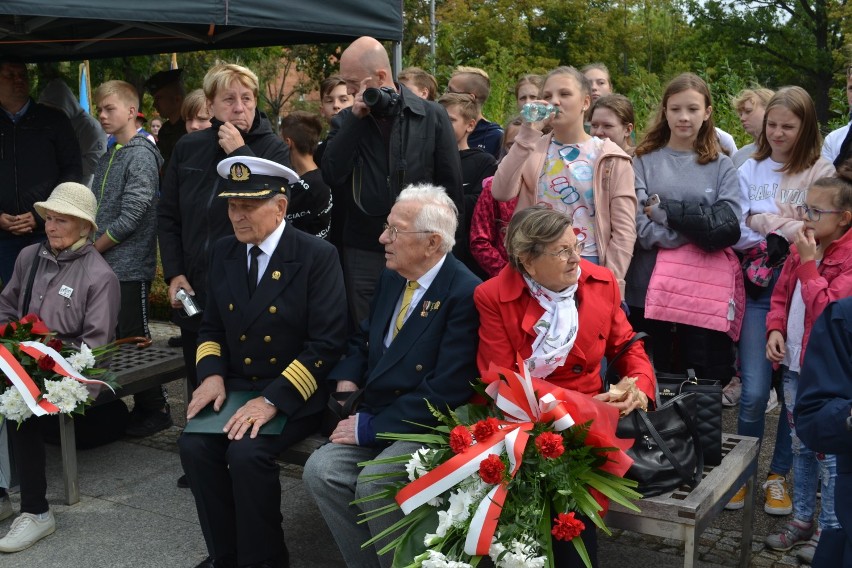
(383, 101)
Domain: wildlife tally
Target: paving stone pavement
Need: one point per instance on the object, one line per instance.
(718, 546)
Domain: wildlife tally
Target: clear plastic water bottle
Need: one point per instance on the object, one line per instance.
(535, 112)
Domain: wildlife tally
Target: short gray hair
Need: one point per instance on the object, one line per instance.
(531, 230)
(438, 214)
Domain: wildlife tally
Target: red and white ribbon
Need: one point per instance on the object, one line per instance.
(25, 384)
(515, 396)
(61, 366)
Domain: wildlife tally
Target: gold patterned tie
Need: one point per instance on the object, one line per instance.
(410, 287)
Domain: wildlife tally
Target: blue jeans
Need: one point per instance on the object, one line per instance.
(808, 468)
(756, 375)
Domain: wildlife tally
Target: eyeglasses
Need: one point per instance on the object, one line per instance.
(566, 253)
(393, 231)
(812, 213)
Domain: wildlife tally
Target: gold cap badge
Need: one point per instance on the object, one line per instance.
(239, 172)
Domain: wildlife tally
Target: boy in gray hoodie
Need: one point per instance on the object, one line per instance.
(126, 185)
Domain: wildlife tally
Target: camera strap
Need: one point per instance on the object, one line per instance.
(392, 192)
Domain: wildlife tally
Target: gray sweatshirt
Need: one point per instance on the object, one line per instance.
(127, 184)
(673, 175)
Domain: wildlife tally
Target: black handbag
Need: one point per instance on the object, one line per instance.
(340, 406)
(708, 408)
(666, 450)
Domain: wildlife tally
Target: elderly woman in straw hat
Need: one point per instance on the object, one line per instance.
(67, 283)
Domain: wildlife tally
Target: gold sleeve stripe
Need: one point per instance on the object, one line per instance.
(208, 348)
(301, 378)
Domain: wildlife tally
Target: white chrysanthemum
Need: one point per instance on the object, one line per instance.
(460, 502)
(435, 560)
(445, 521)
(82, 360)
(416, 469)
(13, 407)
(66, 394)
(519, 555)
(431, 539)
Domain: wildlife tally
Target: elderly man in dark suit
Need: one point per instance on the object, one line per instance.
(274, 324)
(419, 343)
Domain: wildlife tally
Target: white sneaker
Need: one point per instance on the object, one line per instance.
(732, 392)
(772, 403)
(5, 508)
(26, 531)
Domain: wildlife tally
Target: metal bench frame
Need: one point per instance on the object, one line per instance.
(135, 370)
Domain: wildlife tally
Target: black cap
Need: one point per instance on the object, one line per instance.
(162, 79)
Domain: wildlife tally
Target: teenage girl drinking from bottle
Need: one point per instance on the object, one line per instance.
(773, 183)
(688, 195)
(590, 178)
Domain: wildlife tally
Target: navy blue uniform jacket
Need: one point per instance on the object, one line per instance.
(433, 357)
(823, 404)
(283, 340)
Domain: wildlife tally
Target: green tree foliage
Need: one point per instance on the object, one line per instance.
(788, 41)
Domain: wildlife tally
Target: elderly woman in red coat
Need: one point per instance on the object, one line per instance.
(562, 315)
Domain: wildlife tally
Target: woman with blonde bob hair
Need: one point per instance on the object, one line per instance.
(189, 219)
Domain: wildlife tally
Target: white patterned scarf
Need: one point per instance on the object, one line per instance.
(557, 329)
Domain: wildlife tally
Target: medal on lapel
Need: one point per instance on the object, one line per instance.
(276, 275)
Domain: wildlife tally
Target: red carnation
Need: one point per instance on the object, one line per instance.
(46, 363)
(549, 445)
(485, 428)
(460, 439)
(566, 527)
(55, 344)
(38, 325)
(491, 469)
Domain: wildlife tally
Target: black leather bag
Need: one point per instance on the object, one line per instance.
(340, 405)
(666, 450)
(708, 408)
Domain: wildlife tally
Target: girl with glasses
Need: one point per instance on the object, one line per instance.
(817, 272)
(773, 183)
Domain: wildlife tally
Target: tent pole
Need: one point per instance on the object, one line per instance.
(397, 58)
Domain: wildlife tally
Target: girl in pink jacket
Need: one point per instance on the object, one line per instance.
(817, 272)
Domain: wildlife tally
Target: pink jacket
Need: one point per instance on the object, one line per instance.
(695, 287)
(614, 191)
(831, 281)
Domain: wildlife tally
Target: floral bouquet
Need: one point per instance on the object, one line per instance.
(504, 479)
(43, 375)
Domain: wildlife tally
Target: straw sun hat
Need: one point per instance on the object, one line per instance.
(73, 199)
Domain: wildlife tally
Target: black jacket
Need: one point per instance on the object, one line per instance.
(422, 149)
(190, 216)
(711, 227)
(36, 154)
(285, 338)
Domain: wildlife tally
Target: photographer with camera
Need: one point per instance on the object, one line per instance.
(388, 139)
